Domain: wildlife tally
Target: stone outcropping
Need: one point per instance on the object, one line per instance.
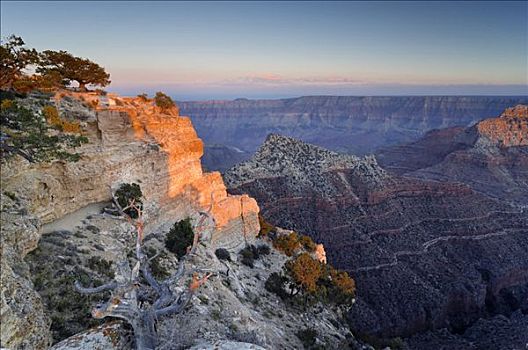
(131, 140)
(425, 255)
(357, 125)
(491, 156)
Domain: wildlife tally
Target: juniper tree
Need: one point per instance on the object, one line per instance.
(72, 68)
(14, 59)
(25, 133)
(130, 299)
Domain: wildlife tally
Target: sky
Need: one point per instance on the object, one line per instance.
(226, 50)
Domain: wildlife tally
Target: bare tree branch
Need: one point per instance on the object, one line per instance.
(101, 288)
(127, 291)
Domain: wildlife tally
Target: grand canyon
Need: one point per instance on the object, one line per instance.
(273, 175)
(419, 235)
(233, 130)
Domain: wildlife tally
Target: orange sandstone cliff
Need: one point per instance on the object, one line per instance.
(130, 140)
(509, 129)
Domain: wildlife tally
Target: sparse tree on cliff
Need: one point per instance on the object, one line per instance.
(14, 58)
(72, 68)
(163, 101)
(130, 295)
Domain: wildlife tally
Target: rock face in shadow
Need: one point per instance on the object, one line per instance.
(425, 255)
(491, 156)
(357, 125)
(221, 157)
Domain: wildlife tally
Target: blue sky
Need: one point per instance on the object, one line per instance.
(281, 49)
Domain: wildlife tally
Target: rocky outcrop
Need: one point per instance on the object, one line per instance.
(491, 156)
(131, 140)
(357, 125)
(423, 253)
(233, 310)
(304, 164)
(23, 322)
(508, 130)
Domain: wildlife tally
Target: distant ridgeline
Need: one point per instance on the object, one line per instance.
(357, 125)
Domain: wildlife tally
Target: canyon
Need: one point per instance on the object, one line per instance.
(58, 227)
(436, 262)
(490, 156)
(348, 124)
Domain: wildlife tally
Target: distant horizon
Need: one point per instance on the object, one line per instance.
(516, 91)
(227, 50)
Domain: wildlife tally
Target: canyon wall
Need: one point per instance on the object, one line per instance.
(130, 140)
(425, 255)
(490, 156)
(349, 124)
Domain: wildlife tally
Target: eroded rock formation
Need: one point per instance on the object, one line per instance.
(425, 254)
(491, 156)
(131, 140)
(357, 125)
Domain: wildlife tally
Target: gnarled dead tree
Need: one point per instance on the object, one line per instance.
(129, 299)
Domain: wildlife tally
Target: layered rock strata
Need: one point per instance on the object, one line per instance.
(130, 140)
(357, 125)
(425, 255)
(491, 156)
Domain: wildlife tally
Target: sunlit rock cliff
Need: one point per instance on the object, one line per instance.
(131, 140)
(58, 227)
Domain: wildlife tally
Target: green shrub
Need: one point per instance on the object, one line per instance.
(163, 101)
(305, 271)
(223, 254)
(143, 97)
(307, 243)
(104, 267)
(276, 284)
(265, 227)
(249, 254)
(287, 244)
(180, 237)
(307, 337)
(125, 194)
(263, 249)
(25, 133)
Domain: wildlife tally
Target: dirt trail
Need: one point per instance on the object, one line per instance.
(72, 220)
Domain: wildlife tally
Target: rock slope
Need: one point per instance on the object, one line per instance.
(55, 230)
(491, 156)
(425, 255)
(357, 125)
(130, 141)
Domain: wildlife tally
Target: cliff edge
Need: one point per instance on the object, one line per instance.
(130, 140)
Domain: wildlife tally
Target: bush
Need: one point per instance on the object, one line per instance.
(343, 287)
(263, 249)
(265, 227)
(223, 254)
(143, 97)
(287, 244)
(180, 237)
(305, 271)
(249, 254)
(125, 194)
(163, 101)
(307, 337)
(157, 269)
(25, 133)
(100, 265)
(276, 284)
(307, 243)
(52, 117)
